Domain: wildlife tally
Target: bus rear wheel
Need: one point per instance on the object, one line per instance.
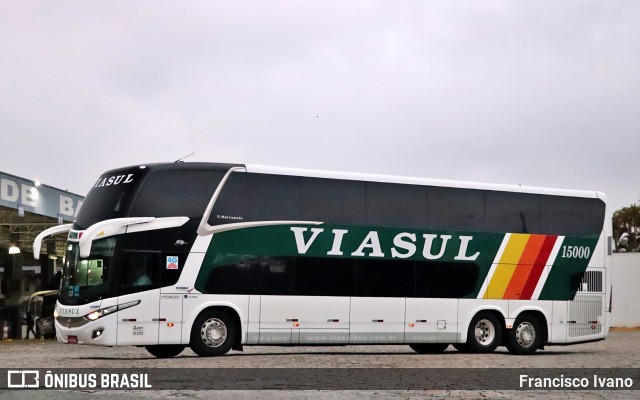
(484, 334)
(526, 335)
(165, 350)
(429, 348)
(213, 333)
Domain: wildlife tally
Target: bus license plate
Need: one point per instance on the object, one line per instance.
(72, 340)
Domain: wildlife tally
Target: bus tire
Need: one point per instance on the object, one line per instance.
(429, 348)
(484, 334)
(165, 350)
(213, 333)
(526, 335)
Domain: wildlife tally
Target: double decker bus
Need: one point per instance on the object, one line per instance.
(218, 256)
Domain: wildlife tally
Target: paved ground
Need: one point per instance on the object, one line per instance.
(620, 350)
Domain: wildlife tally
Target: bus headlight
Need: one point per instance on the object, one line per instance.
(94, 315)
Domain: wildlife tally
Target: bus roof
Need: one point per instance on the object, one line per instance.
(264, 169)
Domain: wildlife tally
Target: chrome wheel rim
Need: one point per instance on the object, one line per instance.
(525, 334)
(213, 332)
(485, 332)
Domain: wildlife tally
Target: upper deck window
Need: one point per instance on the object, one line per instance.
(456, 209)
(512, 212)
(332, 201)
(396, 205)
(257, 197)
(176, 193)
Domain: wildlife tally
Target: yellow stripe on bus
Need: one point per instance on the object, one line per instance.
(507, 266)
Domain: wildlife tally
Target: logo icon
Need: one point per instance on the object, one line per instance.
(23, 378)
(172, 262)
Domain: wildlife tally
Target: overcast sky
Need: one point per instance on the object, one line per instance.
(543, 93)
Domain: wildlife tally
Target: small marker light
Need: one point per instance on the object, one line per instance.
(170, 324)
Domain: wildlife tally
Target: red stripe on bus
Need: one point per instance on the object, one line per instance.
(538, 267)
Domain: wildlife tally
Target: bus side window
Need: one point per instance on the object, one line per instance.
(321, 276)
(456, 209)
(276, 275)
(257, 197)
(332, 201)
(446, 280)
(512, 212)
(391, 204)
(240, 274)
(386, 278)
(571, 216)
(182, 194)
(139, 271)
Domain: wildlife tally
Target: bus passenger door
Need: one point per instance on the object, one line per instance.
(139, 294)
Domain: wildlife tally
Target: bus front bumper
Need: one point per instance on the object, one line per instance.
(101, 332)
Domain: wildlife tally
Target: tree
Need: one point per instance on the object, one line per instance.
(626, 228)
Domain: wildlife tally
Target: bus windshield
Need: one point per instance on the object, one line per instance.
(87, 279)
(110, 196)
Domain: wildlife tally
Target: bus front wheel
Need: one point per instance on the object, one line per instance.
(429, 348)
(165, 350)
(213, 333)
(526, 335)
(484, 334)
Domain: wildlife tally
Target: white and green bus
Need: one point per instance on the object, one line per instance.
(219, 256)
